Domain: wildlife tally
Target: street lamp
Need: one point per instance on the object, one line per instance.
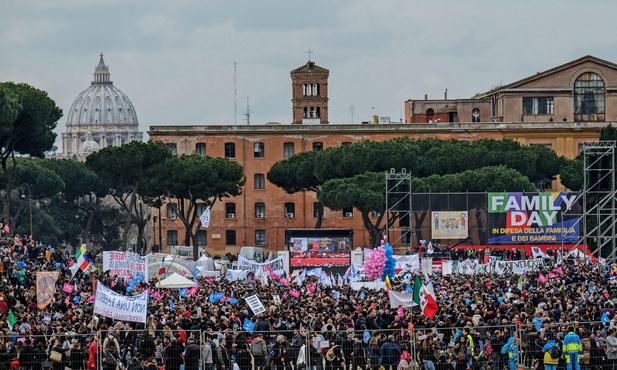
(26, 187)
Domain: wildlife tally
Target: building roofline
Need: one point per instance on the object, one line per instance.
(397, 128)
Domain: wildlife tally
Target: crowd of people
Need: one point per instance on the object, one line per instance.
(483, 322)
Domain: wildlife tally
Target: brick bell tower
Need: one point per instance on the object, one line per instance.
(309, 91)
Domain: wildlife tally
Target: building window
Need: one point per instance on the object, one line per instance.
(260, 237)
(288, 150)
(346, 143)
(173, 148)
(475, 115)
(200, 149)
(317, 207)
(200, 208)
(230, 210)
(348, 212)
(317, 146)
(290, 210)
(172, 210)
(230, 237)
(202, 238)
(430, 115)
(406, 237)
(538, 105)
(172, 237)
(260, 181)
(260, 210)
(259, 150)
(230, 150)
(589, 97)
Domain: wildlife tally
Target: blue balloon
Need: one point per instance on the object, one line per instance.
(500, 299)
(58, 264)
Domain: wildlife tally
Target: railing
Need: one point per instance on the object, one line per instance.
(328, 348)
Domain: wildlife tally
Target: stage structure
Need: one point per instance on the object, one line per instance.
(398, 210)
(599, 200)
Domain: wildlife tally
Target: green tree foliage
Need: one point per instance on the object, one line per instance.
(354, 175)
(296, 174)
(192, 179)
(28, 117)
(125, 171)
(79, 210)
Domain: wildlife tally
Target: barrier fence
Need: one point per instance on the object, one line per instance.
(432, 348)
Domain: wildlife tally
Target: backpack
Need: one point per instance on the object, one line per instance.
(555, 352)
(331, 354)
(488, 348)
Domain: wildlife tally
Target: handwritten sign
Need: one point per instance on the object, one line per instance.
(118, 307)
(124, 264)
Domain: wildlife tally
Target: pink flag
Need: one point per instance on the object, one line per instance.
(66, 300)
(6, 228)
(400, 312)
(559, 271)
(209, 280)
(552, 275)
(68, 288)
(193, 290)
(284, 281)
(542, 279)
(91, 299)
(295, 293)
(310, 289)
(284, 295)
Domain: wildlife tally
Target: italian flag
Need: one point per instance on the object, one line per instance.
(425, 297)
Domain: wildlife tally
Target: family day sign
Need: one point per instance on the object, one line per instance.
(533, 217)
(125, 264)
(119, 307)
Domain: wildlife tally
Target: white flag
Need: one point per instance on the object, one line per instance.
(401, 299)
(430, 249)
(537, 252)
(205, 217)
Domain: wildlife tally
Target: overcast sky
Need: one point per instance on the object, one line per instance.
(175, 58)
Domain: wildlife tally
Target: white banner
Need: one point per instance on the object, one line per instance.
(276, 264)
(471, 266)
(125, 264)
(124, 308)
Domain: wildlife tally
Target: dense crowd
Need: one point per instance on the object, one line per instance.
(484, 322)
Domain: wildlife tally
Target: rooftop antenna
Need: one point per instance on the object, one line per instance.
(351, 110)
(235, 98)
(248, 112)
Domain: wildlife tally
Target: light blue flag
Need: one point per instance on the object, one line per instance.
(605, 319)
(366, 336)
(248, 325)
(362, 295)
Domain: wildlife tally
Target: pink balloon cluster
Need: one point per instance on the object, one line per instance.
(375, 263)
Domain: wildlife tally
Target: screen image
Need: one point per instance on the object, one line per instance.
(319, 251)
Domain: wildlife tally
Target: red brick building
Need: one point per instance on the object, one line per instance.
(263, 212)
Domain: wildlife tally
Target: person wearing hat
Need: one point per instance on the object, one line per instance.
(259, 350)
(191, 355)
